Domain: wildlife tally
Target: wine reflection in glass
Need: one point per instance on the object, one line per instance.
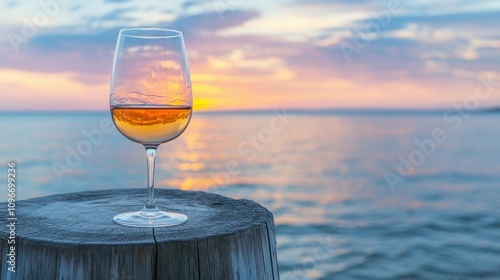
(151, 103)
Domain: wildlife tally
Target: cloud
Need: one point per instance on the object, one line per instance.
(387, 59)
(41, 90)
(189, 4)
(336, 5)
(11, 4)
(211, 22)
(336, 2)
(117, 14)
(116, 1)
(84, 41)
(90, 52)
(465, 20)
(67, 39)
(422, 49)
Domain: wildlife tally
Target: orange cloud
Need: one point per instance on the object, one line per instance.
(42, 91)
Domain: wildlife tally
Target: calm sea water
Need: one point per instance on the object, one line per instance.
(322, 175)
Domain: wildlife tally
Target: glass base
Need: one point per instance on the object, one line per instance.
(150, 218)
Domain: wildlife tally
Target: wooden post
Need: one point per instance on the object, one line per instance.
(72, 236)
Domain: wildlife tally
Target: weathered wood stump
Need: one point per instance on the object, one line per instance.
(72, 236)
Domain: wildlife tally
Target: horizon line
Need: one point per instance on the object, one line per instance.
(323, 110)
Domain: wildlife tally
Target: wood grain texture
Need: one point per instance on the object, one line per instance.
(72, 236)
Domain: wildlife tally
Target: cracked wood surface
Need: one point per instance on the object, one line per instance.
(72, 236)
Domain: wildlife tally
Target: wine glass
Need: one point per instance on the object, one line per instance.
(151, 103)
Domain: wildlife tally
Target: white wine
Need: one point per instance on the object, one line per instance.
(151, 124)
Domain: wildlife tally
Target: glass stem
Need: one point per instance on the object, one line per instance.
(151, 155)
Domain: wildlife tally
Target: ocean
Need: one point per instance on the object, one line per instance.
(355, 195)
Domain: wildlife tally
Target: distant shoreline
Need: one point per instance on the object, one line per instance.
(323, 111)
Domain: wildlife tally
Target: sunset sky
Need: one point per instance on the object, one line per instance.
(260, 54)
